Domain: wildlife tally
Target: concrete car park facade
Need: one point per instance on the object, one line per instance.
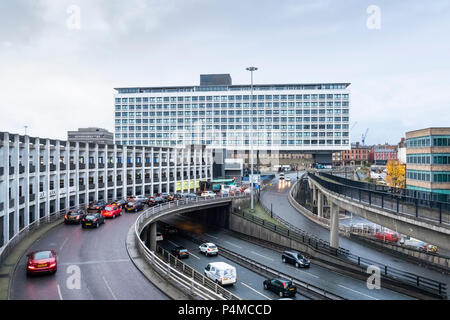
(41, 176)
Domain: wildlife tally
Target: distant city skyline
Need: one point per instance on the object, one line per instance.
(58, 72)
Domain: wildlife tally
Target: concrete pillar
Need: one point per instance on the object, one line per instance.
(152, 238)
(334, 225)
(314, 194)
(320, 204)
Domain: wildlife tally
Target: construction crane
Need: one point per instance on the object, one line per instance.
(364, 136)
(353, 125)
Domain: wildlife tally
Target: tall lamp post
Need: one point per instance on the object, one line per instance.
(251, 69)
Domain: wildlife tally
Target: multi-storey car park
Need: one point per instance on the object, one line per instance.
(41, 176)
(281, 118)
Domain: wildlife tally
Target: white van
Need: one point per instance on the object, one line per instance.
(221, 272)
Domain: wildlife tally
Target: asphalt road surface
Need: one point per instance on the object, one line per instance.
(334, 282)
(105, 269)
(276, 195)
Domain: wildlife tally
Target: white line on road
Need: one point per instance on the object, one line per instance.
(206, 234)
(256, 291)
(256, 253)
(177, 245)
(59, 292)
(232, 244)
(358, 292)
(312, 275)
(190, 253)
(109, 288)
(60, 248)
(95, 262)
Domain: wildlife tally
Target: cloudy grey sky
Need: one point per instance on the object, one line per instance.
(54, 79)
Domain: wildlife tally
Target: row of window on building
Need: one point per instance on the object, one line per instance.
(440, 158)
(438, 176)
(433, 141)
(234, 98)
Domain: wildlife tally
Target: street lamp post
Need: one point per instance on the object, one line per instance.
(251, 69)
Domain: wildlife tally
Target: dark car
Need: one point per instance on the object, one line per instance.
(74, 216)
(42, 262)
(168, 229)
(180, 252)
(177, 196)
(92, 220)
(281, 287)
(96, 206)
(135, 206)
(151, 201)
(160, 200)
(120, 203)
(166, 196)
(295, 258)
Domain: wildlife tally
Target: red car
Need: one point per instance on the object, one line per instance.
(42, 262)
(112, 210)
(388, 236)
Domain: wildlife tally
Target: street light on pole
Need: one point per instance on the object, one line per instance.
(251, 69)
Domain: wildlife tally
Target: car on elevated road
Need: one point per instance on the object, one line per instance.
(44, 261)
(282, 287)
(112, 211)
(221, 272)
(92, 220)
(135, 206)
(96, 206)
(74, 216)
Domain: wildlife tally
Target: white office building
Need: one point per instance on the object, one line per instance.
(311, 118)
(41, 176)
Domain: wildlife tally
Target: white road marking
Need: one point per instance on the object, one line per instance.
(60, 248)
(190, 253)
(206, 234)
(358, 292)
(109, 288)
(59, 292)
(256, 291)
(95, 262)
(312, 275)
(177, 245)
(232, 244)
(256, 253)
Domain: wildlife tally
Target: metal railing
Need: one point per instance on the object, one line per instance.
(181, 274)
(409, 278)
(432, 211)
(33, 226)
(269, 272)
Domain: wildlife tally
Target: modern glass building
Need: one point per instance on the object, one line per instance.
(281, 117)
(428, 161)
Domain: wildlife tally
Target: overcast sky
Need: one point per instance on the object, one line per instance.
(54, 78)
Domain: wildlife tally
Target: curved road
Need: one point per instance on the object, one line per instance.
(277, 196)
(345, 286)
(106, 270)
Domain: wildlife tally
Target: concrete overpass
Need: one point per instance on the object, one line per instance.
(423, 219)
